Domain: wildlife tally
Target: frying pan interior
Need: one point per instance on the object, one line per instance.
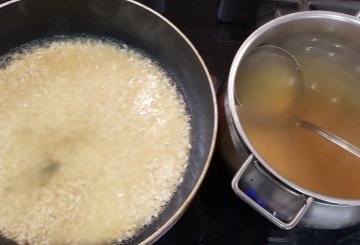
(126, 21)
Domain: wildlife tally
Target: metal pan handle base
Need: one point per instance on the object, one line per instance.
(278, 222)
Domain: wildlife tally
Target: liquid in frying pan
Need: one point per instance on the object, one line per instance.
(332, 102)
(95, 141)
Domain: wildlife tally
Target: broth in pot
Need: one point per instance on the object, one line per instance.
(331, 102)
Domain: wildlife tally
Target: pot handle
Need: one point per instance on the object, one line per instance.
(287, 225)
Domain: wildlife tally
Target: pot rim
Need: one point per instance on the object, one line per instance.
(241, 53)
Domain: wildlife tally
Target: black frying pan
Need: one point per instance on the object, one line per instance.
(23, 21)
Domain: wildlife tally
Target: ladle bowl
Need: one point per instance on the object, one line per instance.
(270, 84)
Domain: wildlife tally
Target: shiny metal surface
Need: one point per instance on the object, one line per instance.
(358, 14)
(329, 136)
(287, 225)
(336, 31)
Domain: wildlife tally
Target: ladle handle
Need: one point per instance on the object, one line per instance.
(329, 136)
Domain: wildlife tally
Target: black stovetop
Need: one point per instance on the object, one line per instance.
(216, 215)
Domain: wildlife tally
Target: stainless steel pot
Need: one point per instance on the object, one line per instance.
(281, 201)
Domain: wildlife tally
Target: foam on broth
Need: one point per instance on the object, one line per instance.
(95, 141)
(332, 102)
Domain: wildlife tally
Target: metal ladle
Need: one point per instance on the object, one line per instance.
(270, 88)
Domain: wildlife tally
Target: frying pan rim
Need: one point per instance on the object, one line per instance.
(177, 215)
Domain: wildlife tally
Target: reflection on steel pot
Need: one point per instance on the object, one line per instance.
(288, 175)
(138, 26)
